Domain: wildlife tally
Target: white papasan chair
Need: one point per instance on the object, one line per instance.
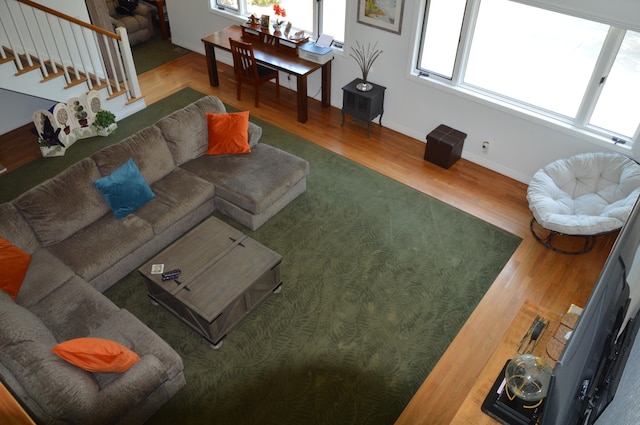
(586, 195)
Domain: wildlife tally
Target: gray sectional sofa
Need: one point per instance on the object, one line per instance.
(79, 250)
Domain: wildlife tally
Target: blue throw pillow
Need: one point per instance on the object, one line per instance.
(125, 189)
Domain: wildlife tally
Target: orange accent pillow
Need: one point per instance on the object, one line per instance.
(97, 354)
(15, 263)
(228, 133)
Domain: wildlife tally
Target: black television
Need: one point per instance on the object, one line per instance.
(587, 374)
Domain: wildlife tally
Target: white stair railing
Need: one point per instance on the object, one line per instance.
(58, 42)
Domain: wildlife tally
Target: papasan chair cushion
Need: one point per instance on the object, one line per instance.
(586, 194)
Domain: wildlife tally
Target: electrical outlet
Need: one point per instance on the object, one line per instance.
(485, 147)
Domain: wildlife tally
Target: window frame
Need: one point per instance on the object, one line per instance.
(241, 12)
(577, 126)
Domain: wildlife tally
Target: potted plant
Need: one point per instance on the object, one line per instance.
(49, 139)
(104, 123)
(365, 58)
(280, 13)
(51, 147)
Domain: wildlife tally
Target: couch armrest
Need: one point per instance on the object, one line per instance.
(142, 10)
(129, 388)
(146, 12)
(255, 132)
(117, 23)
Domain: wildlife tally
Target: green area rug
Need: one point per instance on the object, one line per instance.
(155, 52)
(378, 279)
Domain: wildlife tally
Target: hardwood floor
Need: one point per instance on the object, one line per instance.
(534, 273)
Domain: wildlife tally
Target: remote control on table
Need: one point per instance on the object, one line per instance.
(171, 274)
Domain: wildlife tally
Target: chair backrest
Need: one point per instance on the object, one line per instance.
(244, 62)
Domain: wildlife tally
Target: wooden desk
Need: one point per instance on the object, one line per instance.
(163, 24)
(274, 58)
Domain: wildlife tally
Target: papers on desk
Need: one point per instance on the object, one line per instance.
(324, 40)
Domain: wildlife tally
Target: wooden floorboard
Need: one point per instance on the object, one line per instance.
(534, 273)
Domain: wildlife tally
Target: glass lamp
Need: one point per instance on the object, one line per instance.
(527, 377)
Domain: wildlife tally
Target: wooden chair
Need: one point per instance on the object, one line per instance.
(247, 69)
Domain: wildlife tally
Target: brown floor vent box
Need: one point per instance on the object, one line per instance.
(444, 146)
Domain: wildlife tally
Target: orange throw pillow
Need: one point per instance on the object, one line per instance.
(228, 133)
(15, 263)
(97, 354)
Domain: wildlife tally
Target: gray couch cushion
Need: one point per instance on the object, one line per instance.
(45, 274)
(185, 131)
(177, 195)
(148, 149)
(15, 229)
(101, 244)
(65, 204)
(129, 331)
(253, 181)
(19, 324)
(74, 300)
(60, 389)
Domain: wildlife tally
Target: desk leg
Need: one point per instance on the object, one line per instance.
(163, 23)
(212, 65)
(326, 84)
(302, 98)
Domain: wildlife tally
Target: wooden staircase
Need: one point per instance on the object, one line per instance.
(50, 55)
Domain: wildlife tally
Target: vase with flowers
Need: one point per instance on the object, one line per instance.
(280, 13)
(365, 59)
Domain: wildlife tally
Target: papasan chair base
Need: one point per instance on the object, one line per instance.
(589, 240)
(584, 196)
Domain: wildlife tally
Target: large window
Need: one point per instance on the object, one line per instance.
(313, 16)
(571, 69)
(616, 108)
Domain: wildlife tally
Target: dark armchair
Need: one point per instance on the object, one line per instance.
(138, 23)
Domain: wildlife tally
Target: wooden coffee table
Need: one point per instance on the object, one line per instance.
(224, 276)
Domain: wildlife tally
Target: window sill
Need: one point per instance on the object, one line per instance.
(238, 19)
(232, 15)
(545, 120)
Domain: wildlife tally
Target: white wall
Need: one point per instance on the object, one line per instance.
(519, 144)
(17, 109)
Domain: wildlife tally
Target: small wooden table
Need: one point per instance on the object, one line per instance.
(365, 105)
(224, 276)
(274, 57)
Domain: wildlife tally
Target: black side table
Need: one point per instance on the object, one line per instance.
(365, 105)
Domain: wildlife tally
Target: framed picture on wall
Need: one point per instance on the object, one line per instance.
(383, 14)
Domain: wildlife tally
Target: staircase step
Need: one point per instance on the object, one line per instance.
(59, 71)
(79, 70)
(115, 93)
(76, 81)
(134, 99)
(28, 68)
(9, 58)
